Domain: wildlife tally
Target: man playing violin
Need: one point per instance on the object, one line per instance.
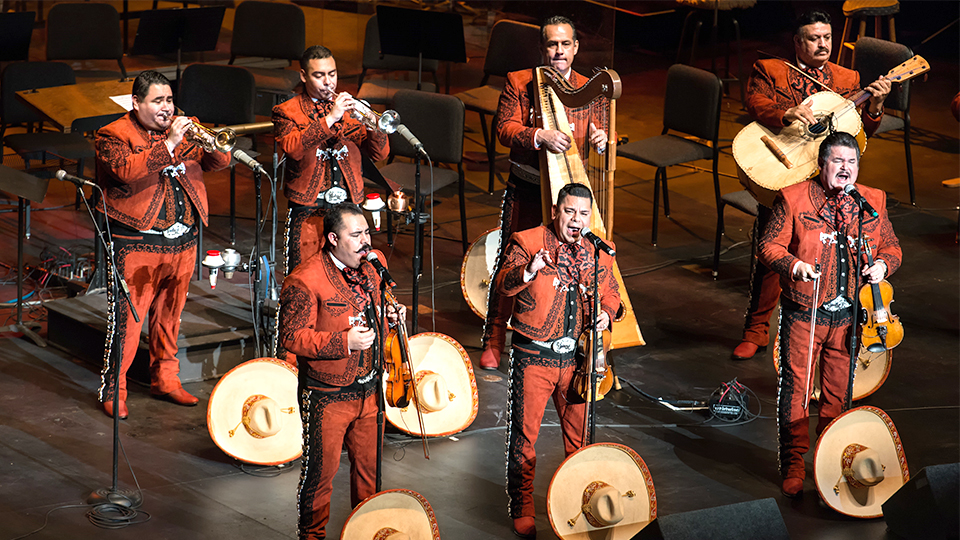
(152, 177)
(815, 223)
(776, 97)
(322, 145)
(329, 316)
(548, 272)
(522, 207)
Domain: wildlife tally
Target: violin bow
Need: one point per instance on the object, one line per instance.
(813, 331)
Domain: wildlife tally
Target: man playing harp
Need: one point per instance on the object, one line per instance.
(516, 129)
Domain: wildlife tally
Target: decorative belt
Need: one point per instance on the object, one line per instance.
(525, 172)
(334, 195)
(835, 305)
(368, 377)
(562, 345)
(174, 231)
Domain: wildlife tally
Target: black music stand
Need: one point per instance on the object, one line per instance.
(24, 186)
(16, 28)
(163, 31)
(421, 34)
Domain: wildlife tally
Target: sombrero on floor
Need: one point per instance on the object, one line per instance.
(396, 514)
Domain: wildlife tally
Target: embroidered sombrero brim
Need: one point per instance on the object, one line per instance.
(401, 509)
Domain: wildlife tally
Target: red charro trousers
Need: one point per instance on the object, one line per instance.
(764, 290)
(832, 349)
(331, 421)
(304, 235)
(158, 277)
(534, 380)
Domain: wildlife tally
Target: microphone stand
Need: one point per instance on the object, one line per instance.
(854, 333)
(378, 361)
(417, 241)
(117, 287)
(597, 345)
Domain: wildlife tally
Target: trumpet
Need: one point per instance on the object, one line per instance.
(221, 140)
(386, 122)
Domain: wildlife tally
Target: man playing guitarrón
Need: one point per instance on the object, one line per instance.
(775, 98)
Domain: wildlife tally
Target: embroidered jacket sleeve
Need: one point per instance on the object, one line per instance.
(299, 306)
(888, 246)
(766, 101)
(609, 288)
(514, 126)
(298, 134)
(778, 240)
(516, 258)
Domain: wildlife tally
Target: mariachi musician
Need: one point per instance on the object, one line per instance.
(322, 144)
(516, 129)
(548, 272)
(152, 176)
(775, 96)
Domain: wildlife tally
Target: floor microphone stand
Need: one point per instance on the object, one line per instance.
(855, 293)
(597, 345)
(119, 292)
(378, 365)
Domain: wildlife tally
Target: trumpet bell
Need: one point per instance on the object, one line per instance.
(389, 121)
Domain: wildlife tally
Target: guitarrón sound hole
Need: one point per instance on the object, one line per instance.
(818, 128)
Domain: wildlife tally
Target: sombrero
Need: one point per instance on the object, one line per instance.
(604, 486)
(446, 387)
(253, 414)
(396, 514)
(859, 462)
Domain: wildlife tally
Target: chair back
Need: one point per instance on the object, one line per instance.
(269, 30)
(513, 46)
(435, 119)
(84, 31)
(875, 57)
(692, 103)
(372, 59)
(217, 94)
(16, 29)
(92, 123)
(27, 76)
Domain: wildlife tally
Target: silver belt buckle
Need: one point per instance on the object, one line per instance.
(335, 195)
(564, 345)
(176, 230)
(368, 377)
(836, 304)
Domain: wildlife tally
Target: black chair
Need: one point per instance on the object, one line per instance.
(222, 95)
(692, 106)
(741, 200)
(873, 58)
(270, 30)
(513, 46)
(437, 120)
(381, 91)
(85, 31)
(16, 29)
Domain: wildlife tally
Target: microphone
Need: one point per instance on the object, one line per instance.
(373, 259)
(850, 190)
(595, 240)
(244, 158)
(76, 180)
(411, 138)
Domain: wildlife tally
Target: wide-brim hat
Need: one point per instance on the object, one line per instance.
(392, 514)
(859, 462)
(254, 413)
(439, 361)
(477, 270)
(601, 491)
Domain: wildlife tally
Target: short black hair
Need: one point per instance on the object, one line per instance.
(833, 140)
(333, 219)
(574, 190)
(316, 52)
(553, 21)
(146, 79)
(811, 17)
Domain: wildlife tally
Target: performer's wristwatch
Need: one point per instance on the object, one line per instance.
(875, 116)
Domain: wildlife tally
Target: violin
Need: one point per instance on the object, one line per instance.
(586, 362)
(881, 329)
(401, 389)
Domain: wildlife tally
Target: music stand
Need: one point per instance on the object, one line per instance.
(24, 186)
(421, 34)
(16, 29)
(163, 31)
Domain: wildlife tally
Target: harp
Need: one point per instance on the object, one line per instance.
(553, 93)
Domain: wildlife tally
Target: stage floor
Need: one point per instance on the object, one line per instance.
(55, 443)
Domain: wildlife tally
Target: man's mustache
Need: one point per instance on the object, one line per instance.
(365, 247)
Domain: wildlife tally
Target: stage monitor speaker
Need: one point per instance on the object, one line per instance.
(928, 506)
(752, 519)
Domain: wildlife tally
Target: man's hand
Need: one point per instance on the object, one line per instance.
(393, 317)
(878, 92)
(360, 338)
(178, 127)
(553, 140)
(342, 103)
(603, 321)
(598, 137)
(805, 272)
(801, 112)
(540, 259)
(875, 273)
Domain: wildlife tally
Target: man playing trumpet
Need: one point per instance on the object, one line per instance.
(152, 177)
(322, 144)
